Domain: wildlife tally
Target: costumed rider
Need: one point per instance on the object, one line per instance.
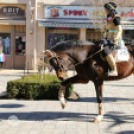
(111, 36)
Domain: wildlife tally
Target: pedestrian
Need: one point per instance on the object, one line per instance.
(2, 59)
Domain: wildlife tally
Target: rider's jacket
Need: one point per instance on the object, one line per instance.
(112, 31)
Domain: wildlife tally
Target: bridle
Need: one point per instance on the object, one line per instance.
(54, 55)
(71, 60)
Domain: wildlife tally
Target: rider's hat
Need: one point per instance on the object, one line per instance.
(110, 6)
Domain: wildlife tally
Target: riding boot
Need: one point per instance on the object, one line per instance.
(112, 65)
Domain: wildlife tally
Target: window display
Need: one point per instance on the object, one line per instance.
(5, 43)
(20, 45)
(54, 38)
(93, 35)
(129, 37)
(58, 34)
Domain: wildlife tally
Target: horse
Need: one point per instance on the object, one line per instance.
(88, 67)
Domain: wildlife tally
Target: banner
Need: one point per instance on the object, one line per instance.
(85, 12)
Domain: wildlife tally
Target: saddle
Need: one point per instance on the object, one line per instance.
(119, 54)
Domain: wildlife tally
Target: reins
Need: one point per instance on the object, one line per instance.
(73, 60)
(92, 56)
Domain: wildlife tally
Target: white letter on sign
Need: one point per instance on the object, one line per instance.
(9, 10)
(4, 10)
(17, 10)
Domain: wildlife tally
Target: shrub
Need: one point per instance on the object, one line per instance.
(32, 87)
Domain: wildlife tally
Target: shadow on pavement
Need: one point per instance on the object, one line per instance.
(105, 99)
(118, 85)
(49, 115)
(115, 118)
(127, 132)
(11, 105)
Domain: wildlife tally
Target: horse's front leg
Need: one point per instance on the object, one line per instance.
(72, 80)
(99, 89)
(61, 95)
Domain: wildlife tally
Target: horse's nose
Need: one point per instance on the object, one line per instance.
(60, 74)
(61, 78)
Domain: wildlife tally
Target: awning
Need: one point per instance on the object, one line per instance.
(12, 22)
(91, 24)
(127, 25)
(66, 23)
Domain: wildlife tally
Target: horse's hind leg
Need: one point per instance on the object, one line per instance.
(99, 88)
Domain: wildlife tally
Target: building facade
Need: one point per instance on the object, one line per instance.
(29, 26)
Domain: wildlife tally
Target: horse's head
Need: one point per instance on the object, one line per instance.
(59, 61)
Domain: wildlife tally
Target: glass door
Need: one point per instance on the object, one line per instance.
(19, 51)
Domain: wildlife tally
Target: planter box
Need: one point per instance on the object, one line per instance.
(32, 87)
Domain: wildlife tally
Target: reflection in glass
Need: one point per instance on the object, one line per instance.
(20, 45)
(129, 37)
(54, 38)
(58, 34)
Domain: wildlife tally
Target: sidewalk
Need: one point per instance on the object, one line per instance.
(47, 117)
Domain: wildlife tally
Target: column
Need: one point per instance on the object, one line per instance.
(83, 34)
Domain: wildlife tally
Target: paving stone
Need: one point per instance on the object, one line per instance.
(47, 116)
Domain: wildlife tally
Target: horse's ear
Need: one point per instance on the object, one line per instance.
(43, 51)
(47, 52)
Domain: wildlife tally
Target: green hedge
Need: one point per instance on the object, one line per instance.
(32, 87)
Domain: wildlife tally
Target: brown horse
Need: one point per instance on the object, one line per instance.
(64, 54)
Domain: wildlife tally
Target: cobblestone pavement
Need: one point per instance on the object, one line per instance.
(47, 117)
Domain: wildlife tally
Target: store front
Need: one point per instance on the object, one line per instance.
(85, 22)
(12, 26)
(57, 34)
(64, 23)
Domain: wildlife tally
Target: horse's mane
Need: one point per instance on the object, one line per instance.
(64, 45)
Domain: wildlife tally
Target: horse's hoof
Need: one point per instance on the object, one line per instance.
(98, 118)
(63, 105)
(96, 121)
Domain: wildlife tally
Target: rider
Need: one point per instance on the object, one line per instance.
(112, 33)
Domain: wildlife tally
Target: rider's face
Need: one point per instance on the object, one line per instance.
(106, 11)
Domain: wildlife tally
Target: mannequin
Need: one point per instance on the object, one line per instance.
(7, 43)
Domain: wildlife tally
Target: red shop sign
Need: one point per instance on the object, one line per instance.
(75, 12)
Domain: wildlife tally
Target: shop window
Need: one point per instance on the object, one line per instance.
(53, 38)
(129, 37)
(5, 43)
(20, 45)
(56, 35)
(93, 35)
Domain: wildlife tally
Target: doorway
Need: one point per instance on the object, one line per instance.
(19, 57)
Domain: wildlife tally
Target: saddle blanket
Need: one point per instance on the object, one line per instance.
(121, 55)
